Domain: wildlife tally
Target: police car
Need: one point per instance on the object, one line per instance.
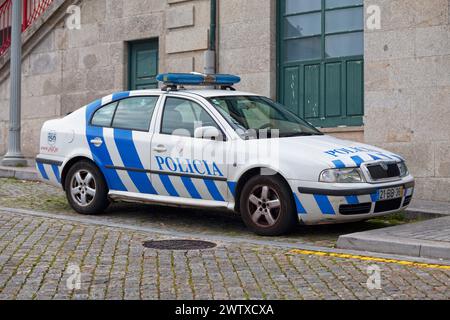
(217, 148)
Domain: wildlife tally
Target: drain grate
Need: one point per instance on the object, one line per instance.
(179, 244)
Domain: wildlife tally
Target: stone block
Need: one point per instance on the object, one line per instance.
(246, 60)
(93, 11)
(46, 45)
(414, 72)
(114, 9)
(4, 110)
(187, 40)
(387, 45)
(442, 151)
(132, 28)
(419, 156)
(376, 75)
(61, 41)
(142, 7)
(41, 85)
(176, 1)
(74, 81)
(245, 34)
(431, 114)
(31, 131)
(100, 79)
(181, 16)
(74, 101)
(256, 83)
(43, 63)
(434, 189)
(184, 64)
(433, 41)
(388, 116)
(118, 53)
(94, 56)
(244, 11)
(88, 35)
(70, 59)
(40, 107)
(3, 136)
(120, 77)
(399, 14)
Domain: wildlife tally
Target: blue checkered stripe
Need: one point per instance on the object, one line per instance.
(329, 205)
(121, 151)
(47, 172)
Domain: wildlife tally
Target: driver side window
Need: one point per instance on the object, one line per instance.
(181, 117)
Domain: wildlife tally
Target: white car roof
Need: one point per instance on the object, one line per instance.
(205, 93)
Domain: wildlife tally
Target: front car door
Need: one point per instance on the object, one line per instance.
(183, 166)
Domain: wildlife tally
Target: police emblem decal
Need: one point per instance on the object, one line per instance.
(51, 138)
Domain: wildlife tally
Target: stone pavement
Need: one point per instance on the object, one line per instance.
(42, 197)
(426, 239)
(40, 258)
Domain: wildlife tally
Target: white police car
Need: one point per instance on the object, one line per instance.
(217, 149)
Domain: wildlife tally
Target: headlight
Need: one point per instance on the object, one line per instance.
(352, 175)
(403, 169)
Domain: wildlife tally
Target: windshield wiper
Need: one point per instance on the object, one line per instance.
(298, 134)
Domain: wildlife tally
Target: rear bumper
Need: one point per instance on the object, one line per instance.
(49, 170)
(321, 203)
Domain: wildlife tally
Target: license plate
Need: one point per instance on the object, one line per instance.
(390, 193)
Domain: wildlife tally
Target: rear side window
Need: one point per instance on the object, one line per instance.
(131, 114)
(135, 113)
(103, 116)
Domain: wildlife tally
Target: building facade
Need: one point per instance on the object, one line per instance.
(367, 70)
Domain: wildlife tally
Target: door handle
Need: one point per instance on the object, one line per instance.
(97, 142)
(160, 148)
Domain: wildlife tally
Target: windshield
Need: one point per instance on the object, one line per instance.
(260, 117)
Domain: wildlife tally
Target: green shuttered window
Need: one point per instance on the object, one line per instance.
(320, 60)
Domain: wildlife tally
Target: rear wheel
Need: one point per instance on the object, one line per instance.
(267, 207)
(86, 189)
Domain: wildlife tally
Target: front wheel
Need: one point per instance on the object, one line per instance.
(86, 189)
(267, 207)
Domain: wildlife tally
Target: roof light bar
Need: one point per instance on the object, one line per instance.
(198, 79)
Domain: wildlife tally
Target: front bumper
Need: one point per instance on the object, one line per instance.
(321, 203)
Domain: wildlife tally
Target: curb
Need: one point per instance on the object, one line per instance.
(381, 242)
(27, 174)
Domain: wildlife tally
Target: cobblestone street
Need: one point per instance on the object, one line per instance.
(39, 256)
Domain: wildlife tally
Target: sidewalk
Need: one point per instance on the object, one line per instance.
(427, 239)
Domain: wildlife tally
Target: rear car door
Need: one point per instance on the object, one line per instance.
(120, 143)
(184, 166)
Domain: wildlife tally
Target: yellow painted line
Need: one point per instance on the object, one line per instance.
(371, 259)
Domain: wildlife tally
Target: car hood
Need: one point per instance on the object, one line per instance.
(305, 157)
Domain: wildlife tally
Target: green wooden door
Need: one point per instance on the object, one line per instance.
(143, 65)
(320, 60)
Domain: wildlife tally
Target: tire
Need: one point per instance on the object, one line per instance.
(86, 189)
(258, 206)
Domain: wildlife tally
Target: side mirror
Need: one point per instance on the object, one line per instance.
(208, 133)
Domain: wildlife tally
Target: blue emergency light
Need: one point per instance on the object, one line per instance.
(198, 79)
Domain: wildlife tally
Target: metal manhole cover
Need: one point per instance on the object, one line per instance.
(179, 245)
